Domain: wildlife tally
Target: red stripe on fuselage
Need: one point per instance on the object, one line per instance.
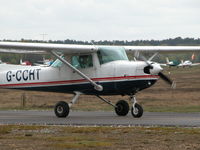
(81, 80)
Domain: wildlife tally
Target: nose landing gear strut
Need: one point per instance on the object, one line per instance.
(136, 110)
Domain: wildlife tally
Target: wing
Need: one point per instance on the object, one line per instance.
(162, 49)
(195, 64)
(163, 64)
(39, 48)
(21, 47)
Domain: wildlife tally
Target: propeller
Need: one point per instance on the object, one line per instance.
(155, 68)
(167, 80)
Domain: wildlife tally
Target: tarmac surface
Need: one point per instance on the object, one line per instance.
(79, 118)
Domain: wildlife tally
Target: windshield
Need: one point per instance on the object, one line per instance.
(108, 54)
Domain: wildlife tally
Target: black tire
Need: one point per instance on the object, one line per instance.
(61, 109)
(139, 111)
(122, 108)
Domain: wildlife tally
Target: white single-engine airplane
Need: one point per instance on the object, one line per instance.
(87, 69)
(187, 63)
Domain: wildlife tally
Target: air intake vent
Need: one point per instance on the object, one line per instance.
(147, 69)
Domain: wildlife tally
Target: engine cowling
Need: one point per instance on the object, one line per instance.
(153, 69)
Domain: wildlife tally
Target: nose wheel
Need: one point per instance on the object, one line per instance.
(136, 110)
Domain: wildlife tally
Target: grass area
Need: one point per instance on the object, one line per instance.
(62, 137)
(160, 97)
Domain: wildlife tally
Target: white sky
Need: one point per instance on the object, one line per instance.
(99, 19)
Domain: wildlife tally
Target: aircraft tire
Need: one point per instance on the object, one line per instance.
(138, 112)
(122, 108)
(61, 109)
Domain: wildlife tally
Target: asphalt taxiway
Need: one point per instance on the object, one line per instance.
(100, 119)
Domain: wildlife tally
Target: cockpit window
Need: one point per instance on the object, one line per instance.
(82, 61)
(108, 54)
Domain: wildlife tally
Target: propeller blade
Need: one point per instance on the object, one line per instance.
(167, 80)
(148, 60)
(152, 57)
(145, 60)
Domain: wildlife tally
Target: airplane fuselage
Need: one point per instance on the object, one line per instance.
(116, 77)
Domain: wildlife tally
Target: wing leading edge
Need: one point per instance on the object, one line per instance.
(20, 47)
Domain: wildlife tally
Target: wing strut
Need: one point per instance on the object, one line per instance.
(96, 86)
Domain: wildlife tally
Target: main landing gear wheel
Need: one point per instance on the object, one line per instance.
(122, 108)
(61, 109)
(137, 111)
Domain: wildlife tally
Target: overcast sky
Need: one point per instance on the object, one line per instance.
(99, 19)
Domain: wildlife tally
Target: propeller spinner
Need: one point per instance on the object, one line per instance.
(155, 69)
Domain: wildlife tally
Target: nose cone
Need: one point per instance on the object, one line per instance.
(156, 69)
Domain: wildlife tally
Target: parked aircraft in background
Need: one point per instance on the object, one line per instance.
(175, 63)
(172, 63)
(187, 63)
(44, 62)
(88, 69)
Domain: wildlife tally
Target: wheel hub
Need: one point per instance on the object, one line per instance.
(60, 109)
(119, 108)
(135, 110)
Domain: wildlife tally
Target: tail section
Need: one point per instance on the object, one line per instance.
(193, 57)
(167, 60)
